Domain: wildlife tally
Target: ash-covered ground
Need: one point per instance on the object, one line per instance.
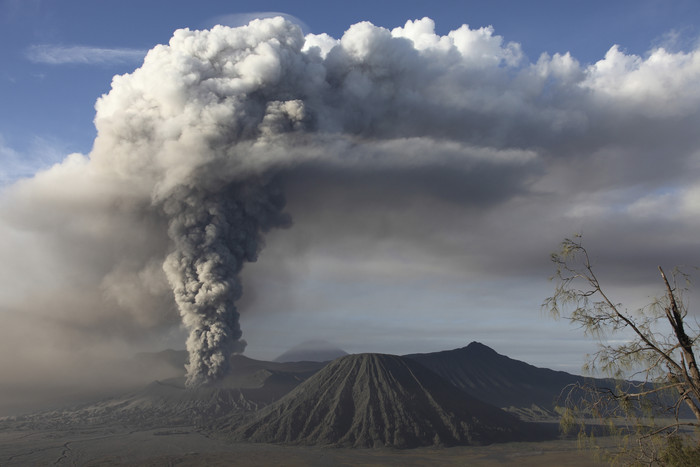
(365, 408)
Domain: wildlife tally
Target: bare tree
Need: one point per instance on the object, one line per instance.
(652, 397)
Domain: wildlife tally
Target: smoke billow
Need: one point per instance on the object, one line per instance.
(186, 121)
(196, 148)
(213, 235)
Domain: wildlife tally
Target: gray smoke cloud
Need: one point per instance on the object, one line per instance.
(188, 121)
(199, 147)
(213, 235)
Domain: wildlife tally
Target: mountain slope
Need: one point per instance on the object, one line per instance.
(499, 380)
(371, 400)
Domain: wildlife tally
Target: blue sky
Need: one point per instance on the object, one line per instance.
(601, 141)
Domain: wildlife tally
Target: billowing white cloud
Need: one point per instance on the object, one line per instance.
(322, 42)
(236, 20)
(660, 84)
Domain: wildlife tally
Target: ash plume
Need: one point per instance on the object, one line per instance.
(213, 235)
(467, 144)
(222, 94)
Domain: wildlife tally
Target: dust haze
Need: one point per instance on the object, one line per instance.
(455, 154)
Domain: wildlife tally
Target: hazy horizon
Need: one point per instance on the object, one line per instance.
(390, 178)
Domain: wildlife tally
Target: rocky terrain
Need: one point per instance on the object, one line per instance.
(371, 400)
(451, 398)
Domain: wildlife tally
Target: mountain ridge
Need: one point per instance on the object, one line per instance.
(498, 379)
(444, 388)
(370, 400)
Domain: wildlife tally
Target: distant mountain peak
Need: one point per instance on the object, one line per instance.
(497, 379)
(315, 350)
(478, 345)
(475, 346)
(315, 343)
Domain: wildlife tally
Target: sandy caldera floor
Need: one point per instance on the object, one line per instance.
(184, 446)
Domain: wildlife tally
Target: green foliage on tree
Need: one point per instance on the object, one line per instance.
(651, 399)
